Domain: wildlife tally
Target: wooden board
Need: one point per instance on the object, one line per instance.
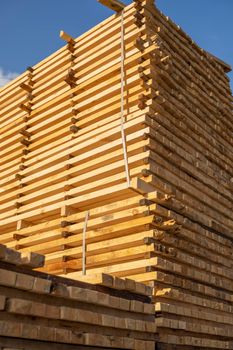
(63, 161)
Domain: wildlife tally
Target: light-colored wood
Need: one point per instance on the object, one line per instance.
(114, 5)
(90, 312)
(66, 37)
(62, 155)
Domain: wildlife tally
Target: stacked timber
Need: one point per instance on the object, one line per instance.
(64, 157)
(39, 311)
(64, 180)
(193, 153)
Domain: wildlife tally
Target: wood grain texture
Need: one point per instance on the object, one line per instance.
(62, 155)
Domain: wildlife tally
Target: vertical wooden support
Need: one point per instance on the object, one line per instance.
(84, 243)
(25, 140)
(20, 225)
(70, 79)
(67, 210)
(123, 137)
(145, 39)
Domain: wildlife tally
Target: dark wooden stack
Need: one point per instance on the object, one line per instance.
(38, 310)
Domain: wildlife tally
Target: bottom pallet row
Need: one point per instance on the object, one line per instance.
(40, 312)
(102, 311)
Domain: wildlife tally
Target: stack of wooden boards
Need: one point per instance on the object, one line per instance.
(39, 311)
(63, 169)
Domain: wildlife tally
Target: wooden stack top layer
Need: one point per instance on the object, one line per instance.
(12, 84)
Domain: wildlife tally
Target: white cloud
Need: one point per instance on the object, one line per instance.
(5, 77)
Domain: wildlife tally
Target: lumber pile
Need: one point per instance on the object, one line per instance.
(39, 311)
(64, 188)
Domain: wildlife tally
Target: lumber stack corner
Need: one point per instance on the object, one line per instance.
(137, 93)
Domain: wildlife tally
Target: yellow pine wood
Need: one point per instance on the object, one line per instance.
(92, 235)
(194, 169)
(97, 140)
(99, 68)
(108, 209)
(121, 270)
(99, 222)
(78, 190)
(114, 153)
(116, 244)
(99, 260)
(87, 61)
(88, 199)
(113, 146)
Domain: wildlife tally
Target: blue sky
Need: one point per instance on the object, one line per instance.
(30, 28)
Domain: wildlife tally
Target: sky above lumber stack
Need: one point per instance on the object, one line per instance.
(30, 28)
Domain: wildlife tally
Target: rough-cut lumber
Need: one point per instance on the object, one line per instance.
(62, 161)
(67, 313)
